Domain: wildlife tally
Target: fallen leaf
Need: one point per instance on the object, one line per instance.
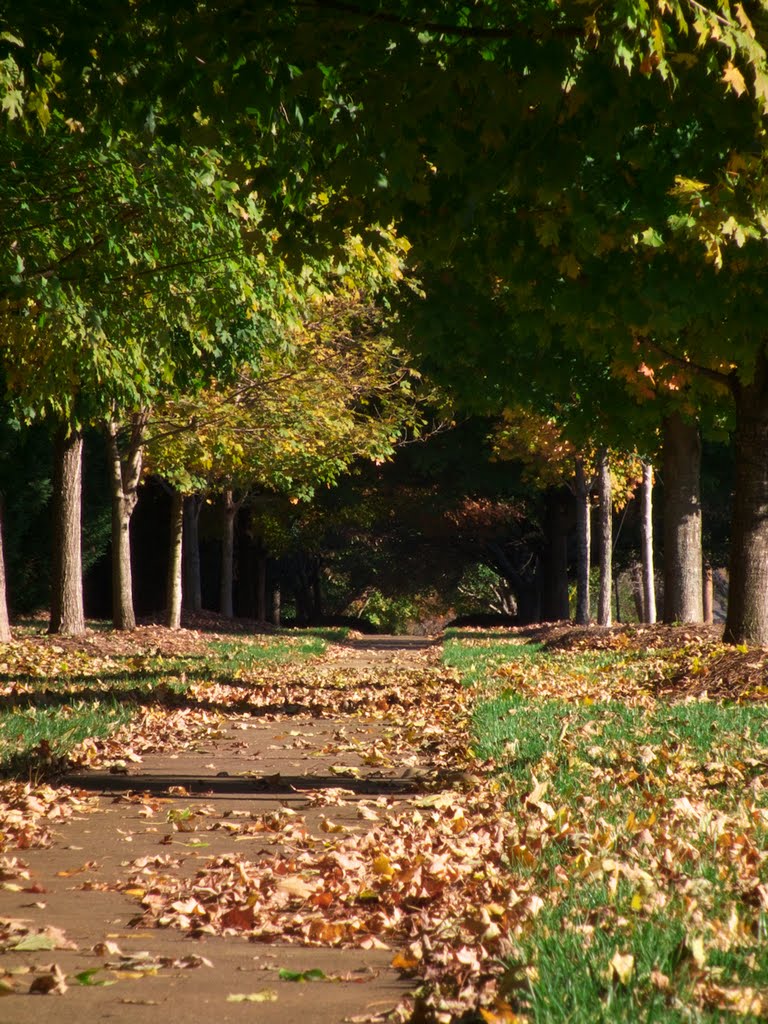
(623, 966)
(313, 974)
(53, 983)
(265, 995)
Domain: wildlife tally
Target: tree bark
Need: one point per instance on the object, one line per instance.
(193, 588)
(709, 595)
(605, 525)
(67, 611)
(682, 521)
(747, 618)
(554, 563)
(174, 592)
(646, 543)
(5, 627)
(261, 586)
(125, 474)
(229, 508)
(638, 592)
(583, 543)
(276, 604)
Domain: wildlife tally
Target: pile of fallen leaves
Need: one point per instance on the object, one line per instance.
(30, 812)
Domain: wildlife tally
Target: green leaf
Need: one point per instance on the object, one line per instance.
(88, 978)
(33, 943)
(313, 974)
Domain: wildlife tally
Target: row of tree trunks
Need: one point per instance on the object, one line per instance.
(748, 605)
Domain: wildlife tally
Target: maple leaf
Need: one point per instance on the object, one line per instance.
(734, 78)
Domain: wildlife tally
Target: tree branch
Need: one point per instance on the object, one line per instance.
(727, 380)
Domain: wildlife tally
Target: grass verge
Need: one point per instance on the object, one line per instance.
(640, 837)
(53, 698)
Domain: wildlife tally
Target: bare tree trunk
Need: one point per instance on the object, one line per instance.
(637, 592)
(276, 611)
(193, 588)
(606, 539)
(261, 586)
(682, 521)
(174, 592)
(709, 595)
(583, 543)
(747, 619)
(125, 475)
(5, 627)
(67, 611)
(229, 509)
(646, 543)
(554, 563)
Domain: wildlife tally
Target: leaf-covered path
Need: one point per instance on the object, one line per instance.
(277, 807)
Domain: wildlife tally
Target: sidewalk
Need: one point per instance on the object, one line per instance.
(266, 785)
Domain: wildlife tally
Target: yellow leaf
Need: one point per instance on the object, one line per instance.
(734, 78)
(657, 35)
(623, 966)
(405, 961)
(637, 902)
(382, 866)
(698, 952)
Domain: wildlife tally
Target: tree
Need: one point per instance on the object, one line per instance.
(299, 418)
(585, 240)
(646, 541)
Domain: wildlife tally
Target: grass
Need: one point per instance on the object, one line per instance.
(643, 828)
(52, 699)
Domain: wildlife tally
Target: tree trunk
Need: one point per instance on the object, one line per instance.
(261, 586)
(638, 594)
(554, 563)
(682, 521)
(605, 522)
(747, 618)
(193, 588)
(67, 611)
(276, 602)
(229, 508)
(646, 544)
(709, 595)
(5, 627)
(125, 474)
(174, 593)
(583, 541)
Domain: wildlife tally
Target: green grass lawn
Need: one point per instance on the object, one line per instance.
(51, 698)
(641, 832)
